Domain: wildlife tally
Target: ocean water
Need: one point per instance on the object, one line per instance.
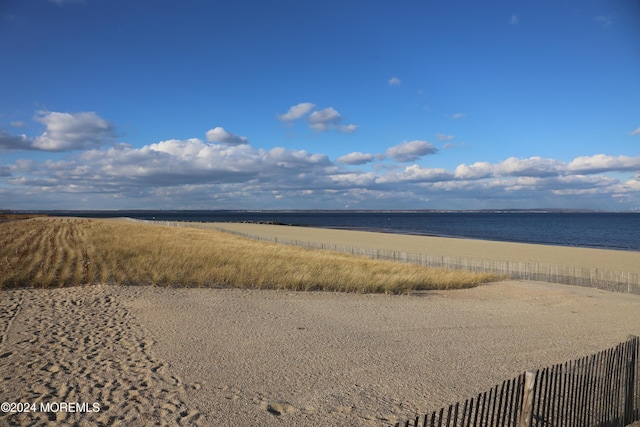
(592, 229)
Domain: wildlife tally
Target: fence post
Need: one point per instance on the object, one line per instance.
(527, 399)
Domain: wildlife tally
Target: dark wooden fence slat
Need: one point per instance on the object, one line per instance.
(484, 399)
(609, 387)
(590, 389)
(503, 412)
(433, 419)
(620, 380)
(597, 373)
(636, 405)
(476, 409)
(602, 389)
(440, 417)
(616, 384)
(593, 388)
(455, 416)
(487, 414)
(514, 404)
(464, 413)
(552, 414)
(630, 383)
(518, 401)
(603, 380)
(547, 395)
(538, 394)
(608, 392)
(573, 393)
(508, 397)
(563, 393)
(584, 392)
(493, 406)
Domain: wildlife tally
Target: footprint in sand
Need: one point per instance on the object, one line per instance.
(279, 408)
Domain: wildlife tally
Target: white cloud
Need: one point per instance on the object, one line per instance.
(458, 115)
(415, 173)
(293, 159)
(410, 151)
(355, 158)
(635, 132)
(192, 161)
(513, 166)
(394, 81)
(67, 131)
(514, 20)
(18, 124)
(220, 135)
(355, 179)
(347, 128)
(443, 137)
(475, 171)
(222, 172)
(297, 111)
(321, 120)
(603, 163)
(327, 119)
(539, 167)
(533, 166)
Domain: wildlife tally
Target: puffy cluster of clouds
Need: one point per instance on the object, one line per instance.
(319, 120)
(407, 151)
(219, 135)
(356, 158)
(63, 132)
(297, 111)
(538, 167)
(410, 151)
(226, 171)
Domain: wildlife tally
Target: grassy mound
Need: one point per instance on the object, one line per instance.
(45, 252)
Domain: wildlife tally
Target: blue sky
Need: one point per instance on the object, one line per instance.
(157, 104)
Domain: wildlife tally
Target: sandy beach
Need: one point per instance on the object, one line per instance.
(168, 356)
(628, 261)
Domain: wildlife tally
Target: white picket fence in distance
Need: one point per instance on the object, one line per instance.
(609, 280)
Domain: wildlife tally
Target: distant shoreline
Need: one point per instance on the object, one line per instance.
(448, 236)
(567, 228)
(610, 259)
(186, 211)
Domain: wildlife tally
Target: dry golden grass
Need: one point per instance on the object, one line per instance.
(45, 252)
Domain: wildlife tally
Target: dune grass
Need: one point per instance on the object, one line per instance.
(56, 252)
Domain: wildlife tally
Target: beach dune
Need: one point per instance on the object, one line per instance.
(174, 356)
(607, 259)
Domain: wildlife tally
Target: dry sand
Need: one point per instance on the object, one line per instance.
(82, 345)
(157, 356)
(627, 261)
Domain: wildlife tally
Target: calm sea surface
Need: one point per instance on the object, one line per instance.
(598, 230)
